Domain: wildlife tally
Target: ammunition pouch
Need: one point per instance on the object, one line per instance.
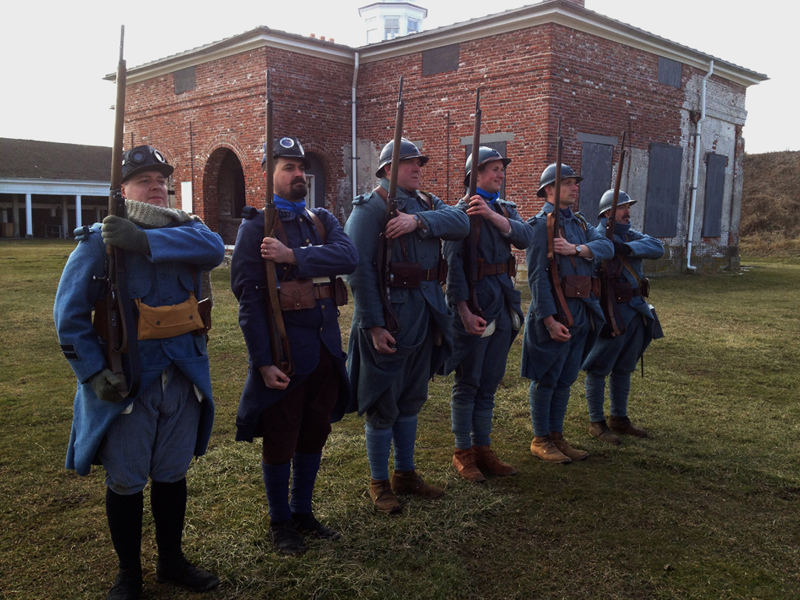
(579, 286)
(204, 308)
(299, 294)
(644, 287)
(624, 292)
(159, 322)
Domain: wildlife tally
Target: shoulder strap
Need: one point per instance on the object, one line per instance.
(627, 265)
(381, 191)
(318, 224)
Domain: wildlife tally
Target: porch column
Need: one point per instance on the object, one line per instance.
(78, 219)
(28, 216)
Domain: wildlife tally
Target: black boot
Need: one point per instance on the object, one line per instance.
(124, 515)
(168, 501)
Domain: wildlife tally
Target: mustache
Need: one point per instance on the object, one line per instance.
(298, 180)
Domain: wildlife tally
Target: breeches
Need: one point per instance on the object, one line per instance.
(301, 420)
(156, 439)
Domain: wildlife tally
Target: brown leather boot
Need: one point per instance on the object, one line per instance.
(600, 430)
(624, 425)
(383, 497)
(408, 482)
(560, 443)
(464, 464)
(487, 461)
(543, 447)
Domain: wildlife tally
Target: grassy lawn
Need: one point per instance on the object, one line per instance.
(707, 507)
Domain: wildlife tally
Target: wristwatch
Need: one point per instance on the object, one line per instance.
(578, 249)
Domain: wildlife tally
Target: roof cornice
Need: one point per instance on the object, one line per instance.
(261, 37)
(559, 12)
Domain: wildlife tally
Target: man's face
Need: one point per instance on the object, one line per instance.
(149, 187)
(623, 214)
(569, 192)
(491, 176)
(408, 173)
(289, 179)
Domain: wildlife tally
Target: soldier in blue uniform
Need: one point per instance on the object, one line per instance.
(389, 373)
(293, 414)
(617, 356)
(552, 352)
(155, 434)
(481, 344)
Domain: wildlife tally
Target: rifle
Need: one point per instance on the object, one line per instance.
(553, 230)
(390, 318)
(120, 323)
(279, 341)
(471, 256)
(615, 325)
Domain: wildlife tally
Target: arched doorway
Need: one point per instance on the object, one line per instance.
(315, 175)
(230, 196)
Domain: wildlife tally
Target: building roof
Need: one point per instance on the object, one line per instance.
(550, 11)
(29, 159)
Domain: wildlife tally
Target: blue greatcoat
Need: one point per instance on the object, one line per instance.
(307, 329)
(603, 355)
(164, 277)
(495, 293)
(418, 309)
(539, 351)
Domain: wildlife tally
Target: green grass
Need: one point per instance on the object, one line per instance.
(707, 507)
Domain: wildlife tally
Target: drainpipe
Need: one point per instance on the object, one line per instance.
(353, 157)
(698, 134)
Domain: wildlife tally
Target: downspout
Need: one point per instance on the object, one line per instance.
(695, 176)
(353, 157)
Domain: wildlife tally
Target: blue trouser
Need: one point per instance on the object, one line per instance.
(156, 439)
(618, 358)
(549, 395)
(475, 384)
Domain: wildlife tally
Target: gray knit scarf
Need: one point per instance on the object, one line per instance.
(148, 216)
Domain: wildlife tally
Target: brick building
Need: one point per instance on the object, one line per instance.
(204, 109)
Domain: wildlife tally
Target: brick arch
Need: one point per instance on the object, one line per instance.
(213, 153)
(332, 175)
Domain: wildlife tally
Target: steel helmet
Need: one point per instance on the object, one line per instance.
(549, 176)
(407, 150)
(144, 158)
(288, 147)
(485, 155)
(608, 197)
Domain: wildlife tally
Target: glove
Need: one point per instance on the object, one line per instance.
(123, 234)
(104, 384)
(619, 248)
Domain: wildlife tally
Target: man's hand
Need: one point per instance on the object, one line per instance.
(274, 250)
(402, 224)
(104, 383)
(474, 324)
(382, 340)
(563, 247)
(621, 249)
(273, 377)
(125, 235)
(478, 207)
(558, 331)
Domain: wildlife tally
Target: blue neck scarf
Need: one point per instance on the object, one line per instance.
(620, 229)
(490, 198)
(298, 208)
(567, 213)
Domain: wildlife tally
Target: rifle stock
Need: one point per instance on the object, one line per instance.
(120, 323)
(471, 256)
(615, 324)
(390, 318)
(563, 315)
(279, 340)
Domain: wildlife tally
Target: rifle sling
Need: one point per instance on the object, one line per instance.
(561, 301)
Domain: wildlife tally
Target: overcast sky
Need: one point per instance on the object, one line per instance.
(53, 55)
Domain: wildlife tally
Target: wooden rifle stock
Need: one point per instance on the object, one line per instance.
(615, 324)
(279, 341)
(390, 318)
(471, 256)
(120, 322)
(563, 315)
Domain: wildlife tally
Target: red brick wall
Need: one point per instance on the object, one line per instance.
(226, 109)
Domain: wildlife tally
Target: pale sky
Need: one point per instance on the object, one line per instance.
(53, 55)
